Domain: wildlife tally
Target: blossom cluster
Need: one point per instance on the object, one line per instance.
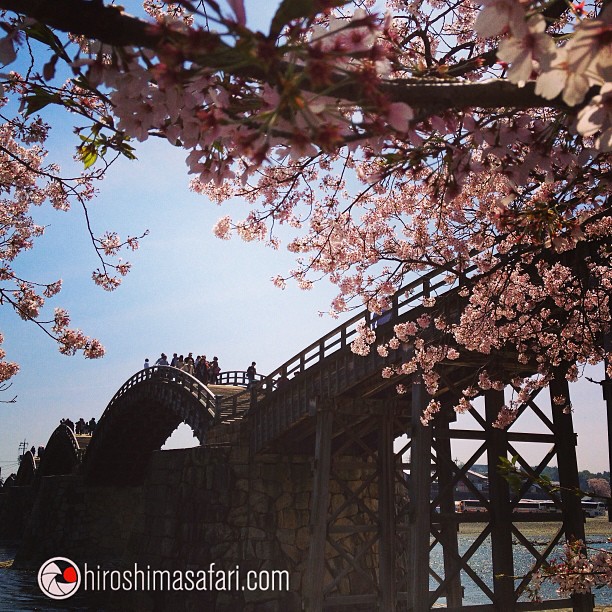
(359, 133)
(26, 182)
(580, 570)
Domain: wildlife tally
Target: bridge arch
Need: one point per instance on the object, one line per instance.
(138, 420)
(26, 471)
(61, 455)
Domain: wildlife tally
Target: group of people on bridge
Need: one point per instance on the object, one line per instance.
(82, 427)
(205, 371)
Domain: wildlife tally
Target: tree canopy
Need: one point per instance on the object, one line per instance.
(469, 138)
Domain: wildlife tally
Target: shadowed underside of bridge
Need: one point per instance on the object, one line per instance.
(140, 418)
(61, 455)
(27, 470)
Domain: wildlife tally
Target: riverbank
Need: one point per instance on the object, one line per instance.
(598, 528)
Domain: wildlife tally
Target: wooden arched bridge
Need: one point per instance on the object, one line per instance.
(333, 405)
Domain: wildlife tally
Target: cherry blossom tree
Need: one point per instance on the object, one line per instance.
(599, 487)
(27, 181)
(469, 138)
(466, 138)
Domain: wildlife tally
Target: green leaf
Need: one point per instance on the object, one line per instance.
(87, 154)
(38, 100)
(45, 35)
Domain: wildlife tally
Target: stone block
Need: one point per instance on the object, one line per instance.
(239, 454)
(242, 484)
(302, 500)
(284, 501)
(241, 470)
(286, 536)
(292, 552)
(302, 538)
(265, 550)
(276, 472)
(254, 533)
(259, 502)
(288, 519)
(238, 517)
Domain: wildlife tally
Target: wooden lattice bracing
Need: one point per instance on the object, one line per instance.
(388, 540)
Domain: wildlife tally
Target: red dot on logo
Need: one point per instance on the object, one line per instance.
(70, 574)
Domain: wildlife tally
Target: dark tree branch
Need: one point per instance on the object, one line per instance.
(112, 26)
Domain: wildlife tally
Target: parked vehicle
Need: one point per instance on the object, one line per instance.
(592, 509)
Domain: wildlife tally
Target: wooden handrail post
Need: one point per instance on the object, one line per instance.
(217, 408)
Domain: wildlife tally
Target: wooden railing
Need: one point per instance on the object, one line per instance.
(177, 377)
(406, 299)
(237, 377)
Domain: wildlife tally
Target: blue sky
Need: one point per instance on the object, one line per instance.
(187, 291)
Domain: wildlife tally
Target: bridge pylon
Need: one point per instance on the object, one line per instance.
(388, 531)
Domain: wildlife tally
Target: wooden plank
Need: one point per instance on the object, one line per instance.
(473, 434)
(313, 587)
(607, 395)
(386, 510)
(342, 529)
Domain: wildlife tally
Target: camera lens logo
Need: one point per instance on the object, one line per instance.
(59, 578)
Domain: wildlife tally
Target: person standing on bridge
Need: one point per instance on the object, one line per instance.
(251, 372)
(188, 364)
(162, 361)
(202, 370)
(214, 371)
(146, 363)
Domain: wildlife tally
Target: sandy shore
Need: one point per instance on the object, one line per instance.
(595, 528)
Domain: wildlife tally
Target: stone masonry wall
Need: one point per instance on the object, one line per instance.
(198, 506)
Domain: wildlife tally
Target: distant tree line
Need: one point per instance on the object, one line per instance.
(589, 482)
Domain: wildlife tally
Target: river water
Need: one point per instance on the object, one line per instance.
(19, 589)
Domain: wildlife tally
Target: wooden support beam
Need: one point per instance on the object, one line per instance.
(386, 509)
(420, 481)
(573, 517)
(448, 528)
(607, 395)
(315, 575)
(501, 512)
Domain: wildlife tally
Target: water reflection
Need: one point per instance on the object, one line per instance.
(480, 563)
(19, 591)
(19, 588)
